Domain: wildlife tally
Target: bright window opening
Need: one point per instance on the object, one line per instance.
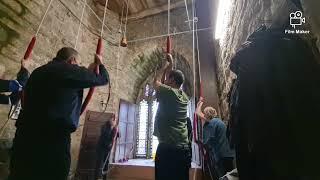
(223, 18)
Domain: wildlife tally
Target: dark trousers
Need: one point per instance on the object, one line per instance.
(172, 163)
(102, 157)
(40, 156)
(225, 165)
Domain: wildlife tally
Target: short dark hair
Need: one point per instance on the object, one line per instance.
(65, 53)
(177, 76)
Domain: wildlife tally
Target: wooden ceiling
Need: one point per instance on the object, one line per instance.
(141, 8)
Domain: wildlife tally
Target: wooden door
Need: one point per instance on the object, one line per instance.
(90, 136)
(125, 144)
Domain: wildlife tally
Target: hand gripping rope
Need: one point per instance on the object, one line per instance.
(96, 70)
(98, 52)
(31, 45)
(26, 57)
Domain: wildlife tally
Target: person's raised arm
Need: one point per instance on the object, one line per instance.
(81, 77)
(198, 109)
(23, 76)
(162, 73)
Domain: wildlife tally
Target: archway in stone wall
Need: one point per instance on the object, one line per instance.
(146, 65)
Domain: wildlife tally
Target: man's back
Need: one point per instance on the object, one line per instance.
(171, 116)
(51, 110)
(53, 95)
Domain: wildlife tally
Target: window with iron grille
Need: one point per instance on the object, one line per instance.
(146, 142)
(141, 149)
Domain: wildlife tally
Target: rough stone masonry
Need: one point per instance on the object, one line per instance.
(129, 68)
(245, 17)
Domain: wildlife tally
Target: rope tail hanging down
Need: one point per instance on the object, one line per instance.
(205, 156)
(104, 173)
(197, 125)
(98, 52)
(195, 117)
(199, 74)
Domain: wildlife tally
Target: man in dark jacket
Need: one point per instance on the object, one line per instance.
(105, 143)
(53, 98)
(13, 86)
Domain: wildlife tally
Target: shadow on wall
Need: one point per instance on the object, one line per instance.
(146, 65)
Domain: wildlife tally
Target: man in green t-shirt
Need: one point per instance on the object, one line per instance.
(173, 155)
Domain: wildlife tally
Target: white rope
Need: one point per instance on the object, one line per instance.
(104, 17)
(193, 62)
(119, 49)
(95, 14)
(193, 54)
(164, 35)
(125, 26)
(186, 5)
(43, 17)
(198, 52)
(194, 67)
(169, 4)
(105, 163)
(176, 60)
(79, 28)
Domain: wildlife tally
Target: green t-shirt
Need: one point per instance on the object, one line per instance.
(171, 119)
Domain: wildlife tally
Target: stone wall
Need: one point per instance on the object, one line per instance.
(141, 51)
(245, 17)
(129, 67)
(19, 20)
(311, 11)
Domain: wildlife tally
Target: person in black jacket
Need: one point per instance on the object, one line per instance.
(52, 103)
(13, 86)
(276, 73)
(106, 140)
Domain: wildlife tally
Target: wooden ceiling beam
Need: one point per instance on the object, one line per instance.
(155, 10)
